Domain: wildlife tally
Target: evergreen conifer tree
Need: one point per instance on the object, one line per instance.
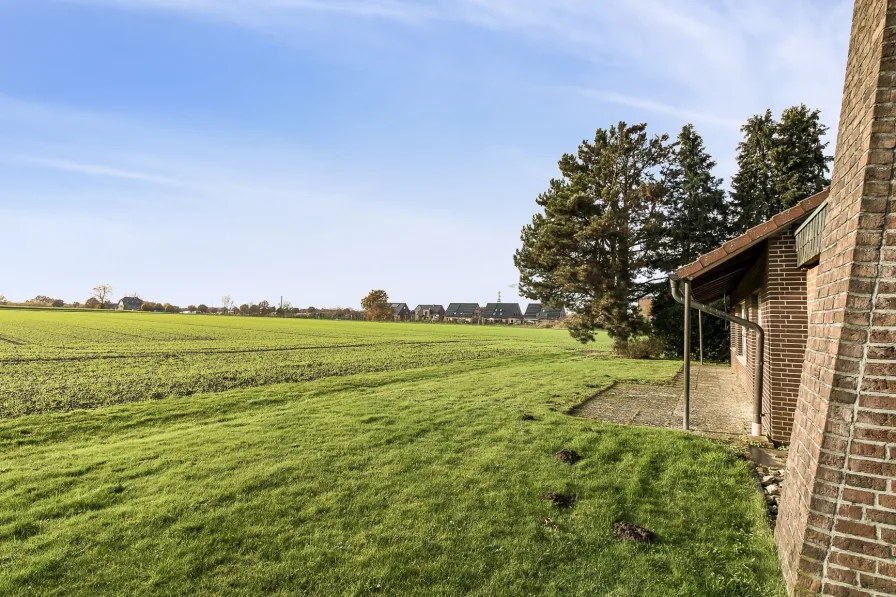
(696, 221)
(695, 206)
(800, 163)
(754, 191)
(779, 164)
(592, 248)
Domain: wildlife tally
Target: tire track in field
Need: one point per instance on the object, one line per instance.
(149, 338)
(256, 331)
(139, 355)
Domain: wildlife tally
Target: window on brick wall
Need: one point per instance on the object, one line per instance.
(742, 345)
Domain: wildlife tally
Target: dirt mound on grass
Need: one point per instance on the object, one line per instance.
(628, 531)
(568, 456)
(561, 500)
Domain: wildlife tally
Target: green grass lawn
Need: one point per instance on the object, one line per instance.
(413, 481)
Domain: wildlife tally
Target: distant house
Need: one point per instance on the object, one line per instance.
(548, 314)
(532, 311)
(462, 312)
(130, 303)
(429, 313)
(535, 313)
(508, 313)
(400, 311)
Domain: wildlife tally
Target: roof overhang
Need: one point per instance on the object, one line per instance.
(717, 272)
(721, 280)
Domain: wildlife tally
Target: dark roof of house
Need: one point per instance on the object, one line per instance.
(501, 311)
(461, 309)
(535, 311)
(752, 237)
(131, 300)
(428, 308)
(397, 307)
(718, 272)
(549, 313)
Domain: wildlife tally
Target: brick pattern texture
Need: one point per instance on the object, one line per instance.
(836, 529)
(741, 360)
(782, 302)
(785, 323)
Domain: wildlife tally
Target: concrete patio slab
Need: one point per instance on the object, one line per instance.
(719, 406)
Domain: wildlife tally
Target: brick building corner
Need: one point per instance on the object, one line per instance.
(836, 530)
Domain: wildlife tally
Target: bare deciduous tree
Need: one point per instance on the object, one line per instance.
(101, 293)
(226, 303)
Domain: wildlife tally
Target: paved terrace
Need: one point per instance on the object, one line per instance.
(719, 406)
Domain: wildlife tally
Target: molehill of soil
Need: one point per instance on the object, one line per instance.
(628, 531)
(568, 456)
(561, 500)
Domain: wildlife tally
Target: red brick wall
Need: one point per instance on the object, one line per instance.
(784, 321)
(810, 289)
(836, 530)
(735, 331)
(782, 300)
(743, 365)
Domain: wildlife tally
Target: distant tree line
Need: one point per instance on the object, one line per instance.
(45, 301)
(160, 307)
(40, 300)
(100, 299)
(629, 208)
(260, 309)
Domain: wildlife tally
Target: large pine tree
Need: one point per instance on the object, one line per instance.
(696, 221)
(592, 248)
(695, 205)
(754, 188)
(779, 164)
(800, 163)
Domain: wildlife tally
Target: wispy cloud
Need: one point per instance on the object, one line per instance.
(254, 13)
(388, 9)
(743, 55)
(262, 195)
(691, 116)
(98, 170)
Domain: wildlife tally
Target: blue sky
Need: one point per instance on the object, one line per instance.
(315, 149)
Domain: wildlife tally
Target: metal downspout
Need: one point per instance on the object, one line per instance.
(759, 357)
(686, 416)
(700, 327)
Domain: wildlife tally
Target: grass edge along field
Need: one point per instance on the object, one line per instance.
(420, 481)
